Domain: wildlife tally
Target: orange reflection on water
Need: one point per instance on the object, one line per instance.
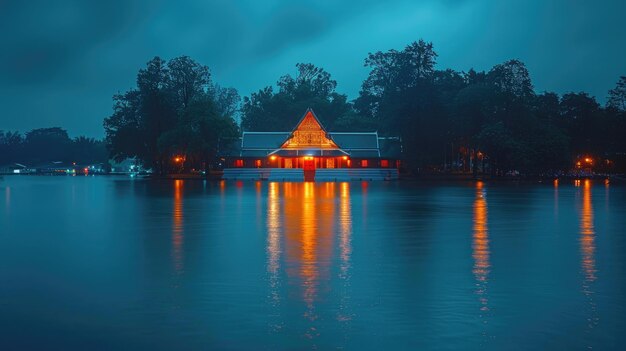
(588, 248)
(345, 225)
(302, 221)
(587, 234)
(556, 198)
(273, 240)
(308, 242)
(273, 228)
(177, 230)
(480, 245)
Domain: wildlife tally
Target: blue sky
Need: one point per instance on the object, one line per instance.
(61, 61)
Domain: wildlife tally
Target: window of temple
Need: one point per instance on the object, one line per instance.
(238, 163)
(384, 163)
(330, 163)
(364, 163)
(288, 163)
(257, 163)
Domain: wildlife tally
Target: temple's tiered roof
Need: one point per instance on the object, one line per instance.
(309, 138)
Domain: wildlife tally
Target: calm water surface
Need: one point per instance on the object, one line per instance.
(114, 263)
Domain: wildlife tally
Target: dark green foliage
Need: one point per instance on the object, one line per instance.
(312, 87)
(44, 145)
(11, 147)
(617, 96)
(175, 110)
(447, 118)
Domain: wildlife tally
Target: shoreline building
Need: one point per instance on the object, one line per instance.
(310, 153)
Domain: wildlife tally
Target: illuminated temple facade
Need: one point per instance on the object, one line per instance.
(309, 152)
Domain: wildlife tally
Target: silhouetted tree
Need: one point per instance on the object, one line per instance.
(402, 93)
(175, 109)
(312, 87)
(11, 147)
(617, 96)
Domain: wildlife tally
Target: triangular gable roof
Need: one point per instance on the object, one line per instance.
(309, 133)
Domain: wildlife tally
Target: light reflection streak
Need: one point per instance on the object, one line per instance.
(7, 197)
(588, 248)
(345, 223)
(345, 249)
(177, 232)
(556, 199)
(308, 270)
(480, 247)
(302, 221)
(273, 240)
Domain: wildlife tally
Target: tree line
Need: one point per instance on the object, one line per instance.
(447, 119)
(44, 145)
(176, 117)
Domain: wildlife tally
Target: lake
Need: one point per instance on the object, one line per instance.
(94, 263)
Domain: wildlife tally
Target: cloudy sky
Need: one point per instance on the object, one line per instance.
(61, 61)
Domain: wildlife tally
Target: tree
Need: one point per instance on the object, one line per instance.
(88, 150)
(153, 121)
(186, 79)
(617, 95)
(11, 144)
(47, 144)
(405, 95)
(197, 136)
(394, 72)
(582, 118)
(312, 87)
(512, 77)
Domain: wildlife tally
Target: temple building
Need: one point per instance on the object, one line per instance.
(309, 152)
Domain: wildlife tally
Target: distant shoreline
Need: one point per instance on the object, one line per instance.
(620, 178)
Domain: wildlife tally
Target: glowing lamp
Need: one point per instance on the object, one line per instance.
(345, 157)
(272, 157)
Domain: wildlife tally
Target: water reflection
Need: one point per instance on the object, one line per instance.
(302, 223)
(588, 248)
(345, 251)
(7, 197)
(345, 223)
(556, 199)
(273, 239)
(480, 246)
(177, 227)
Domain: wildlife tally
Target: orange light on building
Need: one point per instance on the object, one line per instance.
(272, 158)
(588, 160)
(308, 157)
(345, 158)
(178, 159)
